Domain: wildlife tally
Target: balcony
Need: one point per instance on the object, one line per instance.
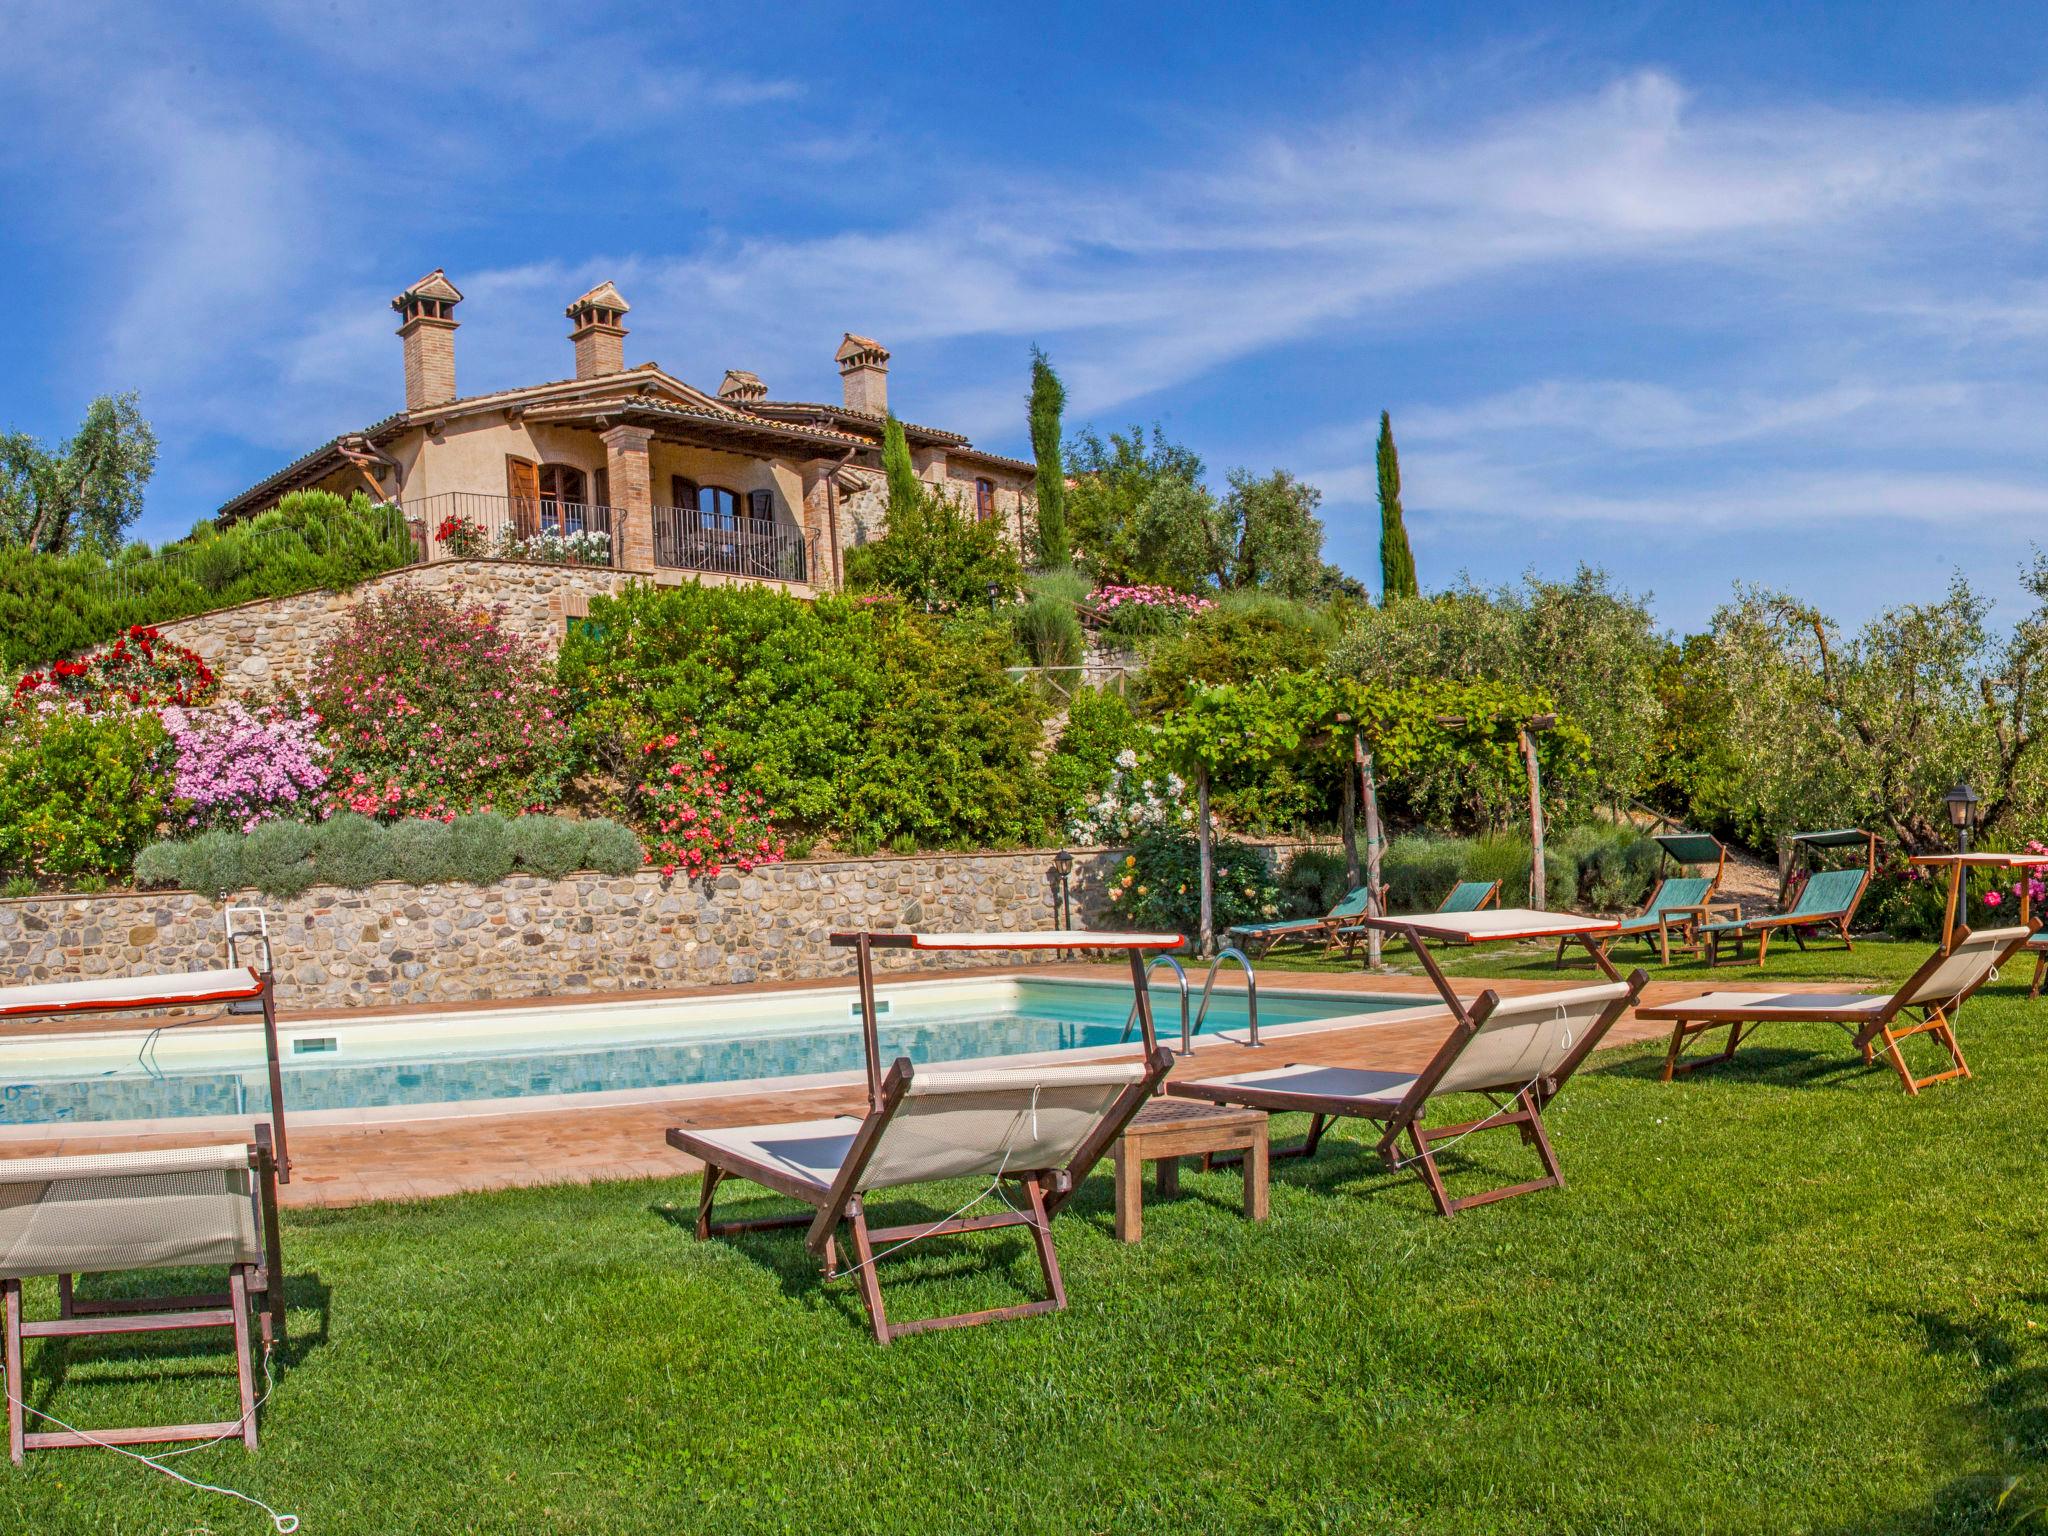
(686, 539)
(465, 525)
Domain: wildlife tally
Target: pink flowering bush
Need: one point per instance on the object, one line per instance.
(1110, 598)
(237, 768)
(434, 708)
(698, 821)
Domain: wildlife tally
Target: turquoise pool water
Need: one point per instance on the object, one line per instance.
(598, 1048)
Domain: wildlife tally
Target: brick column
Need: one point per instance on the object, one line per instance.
(817, 520)
(632, 491)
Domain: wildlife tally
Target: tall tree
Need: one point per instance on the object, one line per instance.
(87, 489)
(1270, 536)
(1397, 561)
(1048, 400)
(906, 491)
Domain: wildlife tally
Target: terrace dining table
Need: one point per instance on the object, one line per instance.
(1500, 925)
(1958, 865)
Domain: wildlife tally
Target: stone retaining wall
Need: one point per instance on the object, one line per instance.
(530, 936)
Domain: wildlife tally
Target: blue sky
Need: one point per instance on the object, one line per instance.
(1698, 294)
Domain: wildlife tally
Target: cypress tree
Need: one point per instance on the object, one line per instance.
(906, 491)
(1397, 561)
(1048, 399)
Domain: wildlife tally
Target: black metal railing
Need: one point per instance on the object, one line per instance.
(688, 540)
(469, 525)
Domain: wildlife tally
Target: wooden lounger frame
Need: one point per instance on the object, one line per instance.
(1881, 1031)
(260, 1285)
(1045, 1190)
(1405, 1117)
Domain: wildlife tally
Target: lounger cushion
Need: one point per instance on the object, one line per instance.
(130, 1210)
(107, 993)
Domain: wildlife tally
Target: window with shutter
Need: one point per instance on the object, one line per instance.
(682, 492)
(761, 506)
(984, 500)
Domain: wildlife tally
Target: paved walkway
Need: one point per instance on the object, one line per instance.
(417, 1159)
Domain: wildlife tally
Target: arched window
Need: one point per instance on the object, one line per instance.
(717, 507)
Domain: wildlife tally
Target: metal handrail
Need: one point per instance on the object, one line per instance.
(1251, 989)
(1187, 1034)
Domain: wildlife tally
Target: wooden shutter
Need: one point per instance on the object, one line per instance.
(522, 487)
(761, 506)
(601, 484)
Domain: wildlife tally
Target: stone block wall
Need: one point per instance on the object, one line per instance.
(262, 648)
(529, 937)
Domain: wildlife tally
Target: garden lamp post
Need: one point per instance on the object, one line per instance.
(1962, 812)
(1062, 891)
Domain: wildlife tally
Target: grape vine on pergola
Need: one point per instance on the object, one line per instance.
(1365, 731)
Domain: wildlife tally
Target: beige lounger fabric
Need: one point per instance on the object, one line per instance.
(1525, 1038)
(952, 1125)
(128, 1210)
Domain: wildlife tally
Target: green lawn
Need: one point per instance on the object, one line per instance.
(1778, 1298)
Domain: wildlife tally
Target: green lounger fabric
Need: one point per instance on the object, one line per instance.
(1670, 895)
(1827, 894)
(1466, 896)
(1691, 847)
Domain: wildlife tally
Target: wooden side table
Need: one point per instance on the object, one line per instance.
(1165, 1131)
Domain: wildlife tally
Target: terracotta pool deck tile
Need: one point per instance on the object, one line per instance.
(341, 1165)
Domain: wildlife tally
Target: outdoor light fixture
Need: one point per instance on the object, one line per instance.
(995, 593)
(1962, 812)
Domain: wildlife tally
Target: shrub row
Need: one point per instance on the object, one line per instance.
(284, 858)
(1604, 868)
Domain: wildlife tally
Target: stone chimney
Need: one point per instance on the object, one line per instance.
(594, 327)
(426, 324)
(742, 386)
(864, 374)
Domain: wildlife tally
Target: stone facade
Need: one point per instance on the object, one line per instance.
(530, 936)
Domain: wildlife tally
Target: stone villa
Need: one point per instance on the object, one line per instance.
(635, 468)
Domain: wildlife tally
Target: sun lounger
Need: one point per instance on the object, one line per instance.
(1680, 902)
(116, 1212)
(1926, 1003)
(1040, 1128)
(1256, 939)
(1828, 900)
(1520, 1052)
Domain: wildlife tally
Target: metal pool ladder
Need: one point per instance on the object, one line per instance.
(1190, 1028)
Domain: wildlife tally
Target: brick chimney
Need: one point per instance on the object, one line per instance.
(594, 327)
(864, 374)
(742, 386)
(427, 324)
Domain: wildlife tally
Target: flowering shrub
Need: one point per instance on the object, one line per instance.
(554, 547)
(462, 537)
(1158, 885)
(433, 708)
(1110, 598)
(237, 768)
(79, 793)
(139, 670)
(1138, 799)
(699, 821)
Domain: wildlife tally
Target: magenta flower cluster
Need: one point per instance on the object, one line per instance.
(1109, 599)
(237, 767)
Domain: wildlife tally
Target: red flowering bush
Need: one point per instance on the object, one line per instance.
(698, 822)
(460, 537)
(434, 708)
(140, 670)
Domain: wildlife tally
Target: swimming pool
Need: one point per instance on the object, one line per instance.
(617, 1050)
